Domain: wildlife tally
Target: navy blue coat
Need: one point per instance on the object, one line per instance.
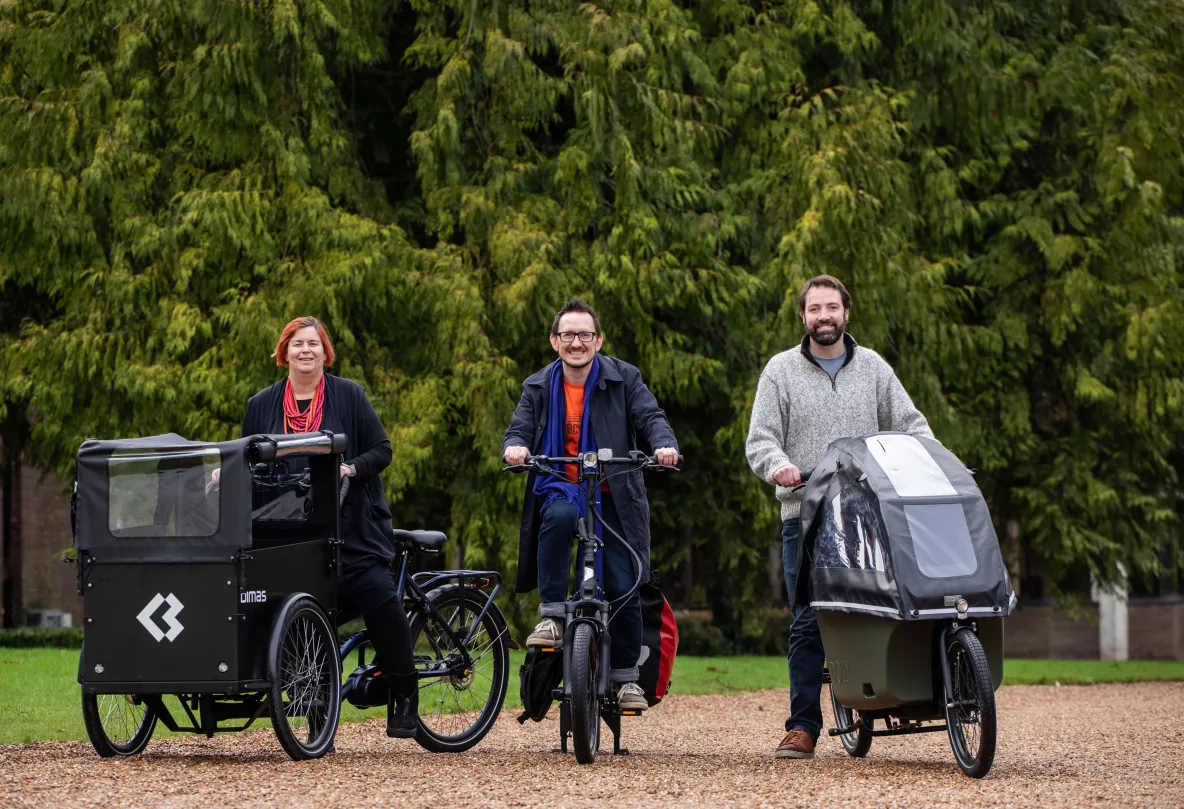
(622, 409)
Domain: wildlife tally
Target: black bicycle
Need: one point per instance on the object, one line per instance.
(460, 643)
(586, 695)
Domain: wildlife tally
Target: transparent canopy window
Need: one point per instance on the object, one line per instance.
(163, 493)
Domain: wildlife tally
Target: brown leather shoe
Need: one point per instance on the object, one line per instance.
(796, 744)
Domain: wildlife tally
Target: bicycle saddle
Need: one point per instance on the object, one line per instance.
(425, 540)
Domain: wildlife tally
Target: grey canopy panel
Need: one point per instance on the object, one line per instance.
(894, 525)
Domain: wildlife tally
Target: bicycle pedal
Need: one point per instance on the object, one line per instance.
(546, 649)
(630, 713)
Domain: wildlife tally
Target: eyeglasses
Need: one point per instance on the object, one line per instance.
(570, 336)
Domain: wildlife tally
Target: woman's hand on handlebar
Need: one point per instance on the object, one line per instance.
(666, 456)
(516, 456)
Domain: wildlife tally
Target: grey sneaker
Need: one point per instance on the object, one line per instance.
(547, 633)
(631, 698)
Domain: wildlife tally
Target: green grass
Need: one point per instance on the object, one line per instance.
(39, 696)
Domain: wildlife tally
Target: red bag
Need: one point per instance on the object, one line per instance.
(659, 643)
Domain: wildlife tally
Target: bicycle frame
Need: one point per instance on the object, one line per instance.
(418, 587)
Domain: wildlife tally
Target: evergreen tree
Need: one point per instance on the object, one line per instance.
(999, 184)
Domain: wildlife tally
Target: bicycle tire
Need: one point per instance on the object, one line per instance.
(971, 704)
(305, 678)
(117, 724)
(858, 743)
(446, 703)
(585, 701)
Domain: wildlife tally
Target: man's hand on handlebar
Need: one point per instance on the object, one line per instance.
(516, 456)
(666, 456)
(788, 476)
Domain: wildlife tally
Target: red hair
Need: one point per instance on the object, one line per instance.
(281, 348)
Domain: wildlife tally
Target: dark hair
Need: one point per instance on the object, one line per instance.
(823, 281)
(575, 305)
(281, 348)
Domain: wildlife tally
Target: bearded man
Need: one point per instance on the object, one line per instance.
(822, 390)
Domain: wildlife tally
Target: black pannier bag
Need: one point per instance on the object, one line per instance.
(895, 527)
(538, 677)
(659, 642)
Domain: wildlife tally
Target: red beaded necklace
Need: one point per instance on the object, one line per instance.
(308, 421)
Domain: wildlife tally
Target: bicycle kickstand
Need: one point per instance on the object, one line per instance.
(613, 720)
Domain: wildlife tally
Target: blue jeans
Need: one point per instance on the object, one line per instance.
(806, 656)
(556, 534)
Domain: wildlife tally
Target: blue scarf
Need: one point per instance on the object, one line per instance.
(549, 488)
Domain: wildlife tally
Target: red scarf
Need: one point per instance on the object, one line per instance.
(310, 420)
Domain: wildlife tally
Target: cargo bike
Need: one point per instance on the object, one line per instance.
(208, 572)
(901, 565)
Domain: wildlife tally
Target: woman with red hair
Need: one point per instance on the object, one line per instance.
(307, 400)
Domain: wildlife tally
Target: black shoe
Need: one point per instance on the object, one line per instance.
(403, 711)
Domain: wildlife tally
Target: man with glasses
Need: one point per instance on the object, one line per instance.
(585, 401)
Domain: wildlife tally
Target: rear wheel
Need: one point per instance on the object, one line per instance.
(117, 724)
(585, 702)
(970, 708)
(305, 691)
(458, 704)
(858, 743)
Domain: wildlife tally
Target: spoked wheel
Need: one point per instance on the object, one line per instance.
(305, 692)
(459, 703)
(858, 743)
(117, 724)
(970, 711)
(585, 702)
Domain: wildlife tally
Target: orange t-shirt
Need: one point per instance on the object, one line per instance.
(573, 396)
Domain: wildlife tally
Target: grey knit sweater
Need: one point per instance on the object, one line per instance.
(799, 411)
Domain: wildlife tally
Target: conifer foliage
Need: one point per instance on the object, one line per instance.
(1001, 185)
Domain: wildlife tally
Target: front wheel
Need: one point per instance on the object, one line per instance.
(117, 724)
(585, 701)
(459, 701)
(858, 743)
(970, 708)
(305, 691)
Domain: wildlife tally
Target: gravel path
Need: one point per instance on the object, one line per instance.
(1075, 746)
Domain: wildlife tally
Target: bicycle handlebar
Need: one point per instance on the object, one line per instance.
(635, 457)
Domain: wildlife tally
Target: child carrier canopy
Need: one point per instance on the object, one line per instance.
(155, 498)
(895, 526)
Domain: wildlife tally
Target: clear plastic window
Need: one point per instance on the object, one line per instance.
(941, 539)
(163, 493)
(282, 491)
(850, 535)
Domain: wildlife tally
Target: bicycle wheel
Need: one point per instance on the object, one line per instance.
(970, 709)
(305, 691)
(585, 702)
(858, 743)
(457, 709)
(117, 724)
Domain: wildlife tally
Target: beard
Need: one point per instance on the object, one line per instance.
(828, 338)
